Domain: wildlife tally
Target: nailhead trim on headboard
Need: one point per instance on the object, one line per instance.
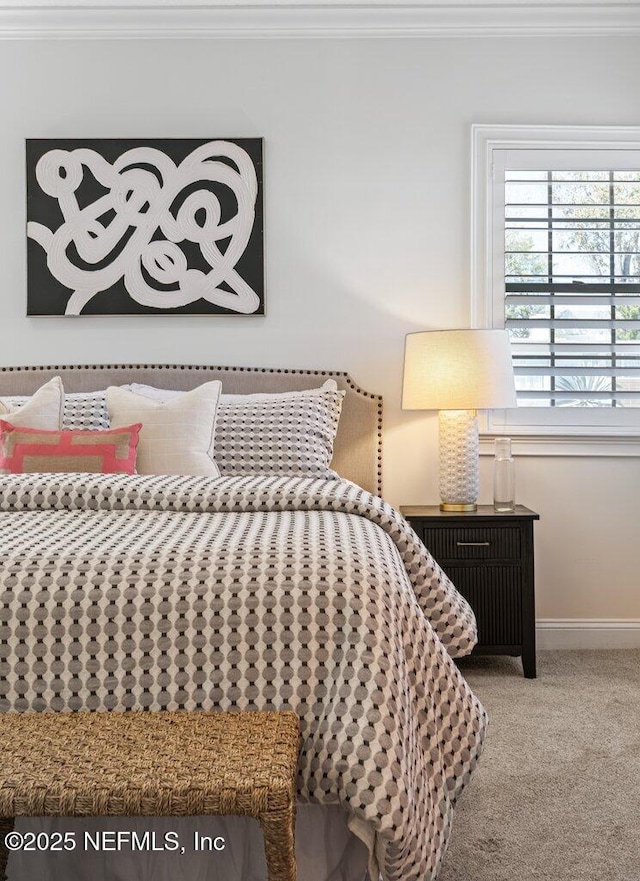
(329, 374)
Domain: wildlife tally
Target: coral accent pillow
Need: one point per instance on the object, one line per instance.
(42, 410)
(28, 450)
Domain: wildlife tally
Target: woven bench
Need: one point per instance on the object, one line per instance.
(153, 764)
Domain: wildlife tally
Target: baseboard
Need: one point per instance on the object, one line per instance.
(191, 19)
(585, 633)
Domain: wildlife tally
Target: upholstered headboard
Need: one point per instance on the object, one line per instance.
(358, 448)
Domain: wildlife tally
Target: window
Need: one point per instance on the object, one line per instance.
(557, 262)
(572, 286)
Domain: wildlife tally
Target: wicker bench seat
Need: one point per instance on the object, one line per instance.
(153, 764)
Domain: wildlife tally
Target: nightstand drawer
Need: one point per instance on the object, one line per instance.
(473, 542)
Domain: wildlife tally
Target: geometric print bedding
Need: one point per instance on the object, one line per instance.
(85, 411)
(121, 592)
(278, 434)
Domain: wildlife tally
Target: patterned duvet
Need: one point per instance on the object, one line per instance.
(251, 592)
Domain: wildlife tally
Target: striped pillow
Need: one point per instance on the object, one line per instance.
(29, 450)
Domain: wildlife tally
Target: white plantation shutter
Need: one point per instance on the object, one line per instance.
(572, 283)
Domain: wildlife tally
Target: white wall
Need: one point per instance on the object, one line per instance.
(367, 222)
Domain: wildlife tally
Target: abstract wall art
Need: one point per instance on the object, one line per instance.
(137, 226)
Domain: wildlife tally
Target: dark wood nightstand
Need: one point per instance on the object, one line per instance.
(489, 558)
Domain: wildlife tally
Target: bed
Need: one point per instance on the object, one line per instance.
(260, 591)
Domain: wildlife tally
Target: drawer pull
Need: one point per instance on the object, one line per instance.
(473, 544)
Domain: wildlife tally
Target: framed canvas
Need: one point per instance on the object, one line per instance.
(143, 226)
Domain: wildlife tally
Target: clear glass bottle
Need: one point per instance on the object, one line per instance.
(504, 477)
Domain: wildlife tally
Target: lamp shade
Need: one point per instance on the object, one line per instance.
(458, 370)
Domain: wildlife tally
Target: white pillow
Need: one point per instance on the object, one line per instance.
(177, 436)
(43, 410)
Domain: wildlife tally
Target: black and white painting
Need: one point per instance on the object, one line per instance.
(132, 226)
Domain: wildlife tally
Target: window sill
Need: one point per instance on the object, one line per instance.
(565, 445)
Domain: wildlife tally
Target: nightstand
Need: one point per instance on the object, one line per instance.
(489, 558)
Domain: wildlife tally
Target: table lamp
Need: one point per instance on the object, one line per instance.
(458, 372)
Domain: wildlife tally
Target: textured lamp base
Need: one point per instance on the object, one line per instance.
(459, 460)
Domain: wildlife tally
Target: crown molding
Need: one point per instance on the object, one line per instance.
(197, 19)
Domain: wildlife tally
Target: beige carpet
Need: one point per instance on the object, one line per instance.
(557, 792)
